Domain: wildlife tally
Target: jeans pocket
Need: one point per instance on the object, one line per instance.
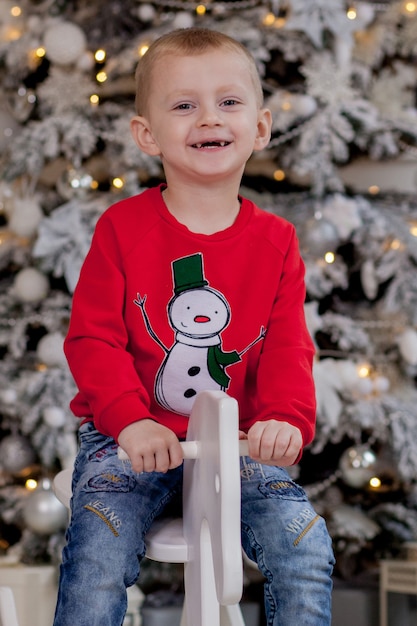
(283, 489)
(110, 478)
(94, 445)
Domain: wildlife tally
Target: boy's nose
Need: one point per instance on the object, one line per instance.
(209, 117)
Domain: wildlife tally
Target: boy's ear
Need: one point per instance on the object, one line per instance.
(142, 135)
(264, 129)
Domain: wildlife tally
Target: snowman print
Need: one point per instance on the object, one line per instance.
(195, 362)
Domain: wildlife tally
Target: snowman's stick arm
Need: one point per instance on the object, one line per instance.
(140, 302)
(261, 335)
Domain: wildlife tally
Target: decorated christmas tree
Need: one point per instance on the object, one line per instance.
(341, 82)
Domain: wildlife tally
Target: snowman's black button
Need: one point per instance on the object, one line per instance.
(190, 393)
(193, 371)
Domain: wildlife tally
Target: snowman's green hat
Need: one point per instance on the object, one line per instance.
(188, 273)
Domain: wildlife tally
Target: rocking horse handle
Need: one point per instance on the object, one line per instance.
(190, 450)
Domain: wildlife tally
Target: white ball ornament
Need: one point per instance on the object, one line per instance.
(318, 236)
(30, 285)
(365, 13)
(407, 345)
(9, 128)
(50, 349)
(183, 20)
(64, 42)
(43, 513)
(86, 61)
(54, 416)
(8, 396)
(365, 386)
(16, 454)
(146, 12)
(26, 217)
(303, 105)
(381, 384)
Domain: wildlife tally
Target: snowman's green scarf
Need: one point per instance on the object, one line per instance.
(217, 360)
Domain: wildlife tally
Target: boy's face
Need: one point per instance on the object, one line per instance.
(203, 118)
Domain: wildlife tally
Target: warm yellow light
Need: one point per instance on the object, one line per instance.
(395, 244)
(101, 77)
(413, 230)
(94, 99)
(16, 11)
(118, 183)
(329, 257)
(94, 184)
(364, 370)
(100, 55)
(373, 190)
(31, 484)
(12, 33)
(143, 49)
(375, 482)
(40, 52)
(280, 22)
(200, 9)
(286, 105)
(269, 19)
(279, 175)
(351, 13)
(410, 7)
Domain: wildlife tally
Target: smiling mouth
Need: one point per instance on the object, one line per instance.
(211, 144)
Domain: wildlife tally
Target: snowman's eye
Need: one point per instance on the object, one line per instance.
(188, 308)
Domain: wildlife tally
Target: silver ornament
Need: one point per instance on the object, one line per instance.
(318, 236)
(357, 465)
(43, 513)
(74, 183)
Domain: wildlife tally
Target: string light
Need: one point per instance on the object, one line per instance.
(40, 52)
(279, 175)
(395, 244)
(118, 183)
(329, 257)
(375, 482)
(100, 55)
(143, 49)
(94, 99)
(373, 190)
(16, 11)
(31, 484)
(200, 9)
(269, 19)
(364, 370)
(11, 33)
(101, 77)
(410, 7)
(351, 13)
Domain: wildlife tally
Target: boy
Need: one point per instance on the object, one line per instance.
(188, 287)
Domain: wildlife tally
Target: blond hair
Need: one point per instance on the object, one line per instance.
(188, 41)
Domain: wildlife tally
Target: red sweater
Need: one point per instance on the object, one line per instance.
(160, 313)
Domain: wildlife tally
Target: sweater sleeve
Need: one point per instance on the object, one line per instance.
(96, 345)
(285, 381)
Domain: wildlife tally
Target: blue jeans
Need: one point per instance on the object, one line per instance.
(113, 508)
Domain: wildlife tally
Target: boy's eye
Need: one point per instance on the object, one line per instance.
(184, 106)
(229, 102)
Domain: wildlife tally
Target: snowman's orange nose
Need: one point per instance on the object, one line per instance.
(200, 319)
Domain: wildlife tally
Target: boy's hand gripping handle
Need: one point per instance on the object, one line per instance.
(191, 449)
